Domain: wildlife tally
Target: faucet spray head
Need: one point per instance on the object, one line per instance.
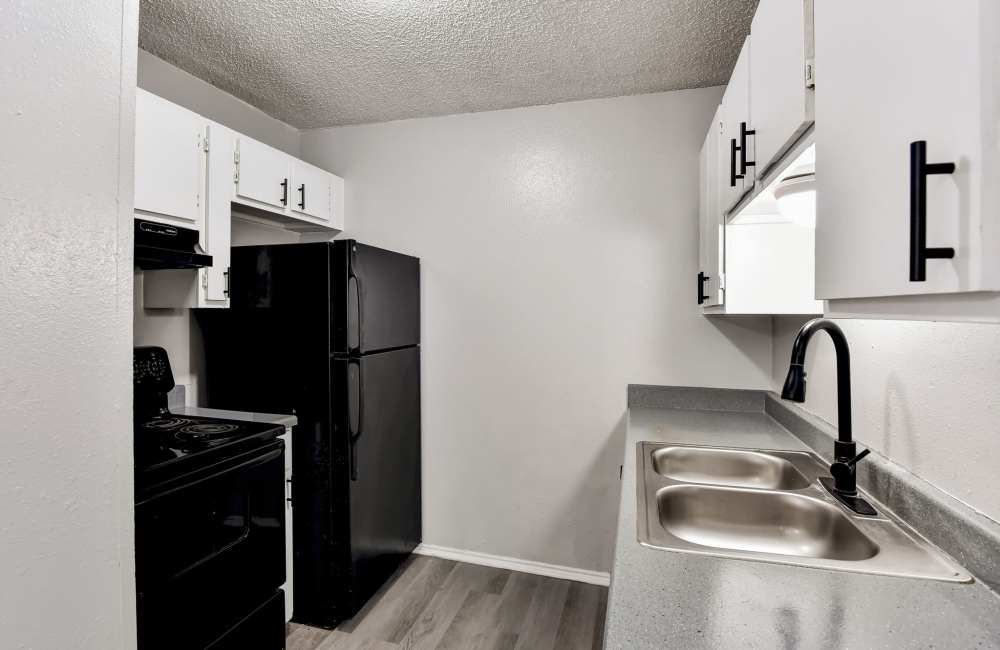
(795, 383)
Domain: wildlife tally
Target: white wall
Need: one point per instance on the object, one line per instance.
(174, 329)
(67, 70)
(160, 78)
(925, 394)
(559, 248)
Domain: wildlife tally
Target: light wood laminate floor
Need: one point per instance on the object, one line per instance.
(435, 603)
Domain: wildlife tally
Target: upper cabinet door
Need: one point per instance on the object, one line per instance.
(710, 221)
(262, 175)
(169, 162)
(219, 214)
(312, 190)
(890, 76)
(736, 149)
(781, 88)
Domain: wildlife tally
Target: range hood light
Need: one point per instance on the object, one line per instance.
(796, 196)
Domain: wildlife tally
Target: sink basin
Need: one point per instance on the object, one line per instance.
(728, 467)
(763, 522)
(767, 505)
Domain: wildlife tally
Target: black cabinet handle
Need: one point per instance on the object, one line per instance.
(702, 278)
(744, 163)
(919, 170)
(284, 192)
(733, 176)
(302, 191)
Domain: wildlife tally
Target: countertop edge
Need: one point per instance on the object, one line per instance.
(245, 416)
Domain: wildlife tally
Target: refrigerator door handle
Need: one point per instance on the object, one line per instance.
(355, 434)
(351, 275)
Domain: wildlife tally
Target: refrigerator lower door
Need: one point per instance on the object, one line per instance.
(383, 460)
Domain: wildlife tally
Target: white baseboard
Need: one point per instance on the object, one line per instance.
(513, 564)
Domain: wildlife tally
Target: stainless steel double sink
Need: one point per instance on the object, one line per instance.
(768, 505)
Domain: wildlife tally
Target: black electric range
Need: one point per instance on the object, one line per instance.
(168, 446)
(209, 523)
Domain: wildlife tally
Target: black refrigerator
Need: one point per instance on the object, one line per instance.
(330, 331)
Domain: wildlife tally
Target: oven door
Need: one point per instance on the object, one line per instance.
(210, 549)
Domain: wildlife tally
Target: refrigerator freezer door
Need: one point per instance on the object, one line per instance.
(376, 296)
(383, 458)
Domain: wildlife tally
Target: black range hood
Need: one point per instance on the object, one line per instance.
(159, 246)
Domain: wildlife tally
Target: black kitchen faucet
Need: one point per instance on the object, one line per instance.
(843, 484)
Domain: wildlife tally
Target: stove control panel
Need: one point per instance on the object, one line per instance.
(151, 370)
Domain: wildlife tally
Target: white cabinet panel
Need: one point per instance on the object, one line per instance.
(887, 77)
(337, 203)
(735, 144)
(289, 537)
(312, 190)
(710, 220)
(769, 269)
(262, 178)
(780, 101)
(169, 162)
(219, 217)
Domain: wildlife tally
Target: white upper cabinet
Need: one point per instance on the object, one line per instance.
(710, 221)
(736, 150)
(169, 162)
(190, 171)
(312, 191)
(303, 196)
(262, 175)
(781, 77)
(895, 218)
(209, 286)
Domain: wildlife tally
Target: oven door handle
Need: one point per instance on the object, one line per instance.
(256, 459)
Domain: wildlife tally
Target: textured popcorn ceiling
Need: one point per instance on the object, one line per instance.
(314, 63)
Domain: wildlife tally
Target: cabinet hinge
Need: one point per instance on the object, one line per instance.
(810, 73)
(205, 143)
(722, 282)
(236, 161)
(204, 279)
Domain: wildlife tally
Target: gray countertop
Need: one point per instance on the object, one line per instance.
(665, 599)
(245, 416)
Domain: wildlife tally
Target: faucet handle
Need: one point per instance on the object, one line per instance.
(854, 461)
(843, 470)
